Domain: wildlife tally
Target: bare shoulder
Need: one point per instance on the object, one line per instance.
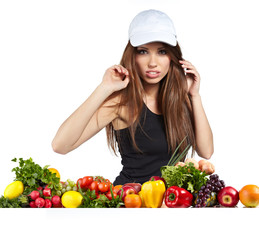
(119, 112)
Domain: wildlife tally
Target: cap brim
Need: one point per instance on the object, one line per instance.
(140, 39)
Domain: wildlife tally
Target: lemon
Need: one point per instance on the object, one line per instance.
(54, 170)
(71, 199)
(14, 190)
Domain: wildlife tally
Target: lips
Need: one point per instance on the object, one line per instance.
(152, 74)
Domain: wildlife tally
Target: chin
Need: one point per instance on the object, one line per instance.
(151, 81)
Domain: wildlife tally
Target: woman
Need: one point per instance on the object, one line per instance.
(148, 104)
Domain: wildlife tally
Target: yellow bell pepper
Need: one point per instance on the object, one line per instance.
(142, 201)
(153, 193)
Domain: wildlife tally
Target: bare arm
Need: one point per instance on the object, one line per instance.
(203, 136)
(203, 133)
(84, 122)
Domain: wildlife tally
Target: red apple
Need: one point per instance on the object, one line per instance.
(127, 190)
(137, 186)
(156, 178)
(228, 197)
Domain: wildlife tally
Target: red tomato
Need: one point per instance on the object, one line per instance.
(99, 179)
(103, 187)
(107, 180)
(94, 186)
(87, 180)
(79, 181)
(109, 195)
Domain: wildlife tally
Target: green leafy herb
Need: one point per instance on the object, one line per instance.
(32, 175)
(187, 177)
(90, 200)
(9, 203)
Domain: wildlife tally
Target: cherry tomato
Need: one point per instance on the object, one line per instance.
(107, 180)
(109, 195)
(99, 179)
(103, 187)
(94, 186)
(79, 181)
(87, 181)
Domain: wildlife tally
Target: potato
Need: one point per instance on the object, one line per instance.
(192, 160)
(205, 165)
(180, 164)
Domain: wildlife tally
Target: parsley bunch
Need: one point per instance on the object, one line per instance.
(32, 175)
(9, 203)
(90, 200)
(187, 177)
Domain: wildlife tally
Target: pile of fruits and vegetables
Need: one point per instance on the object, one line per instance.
(181, 185)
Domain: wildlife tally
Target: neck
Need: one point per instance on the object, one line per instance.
(151, 91)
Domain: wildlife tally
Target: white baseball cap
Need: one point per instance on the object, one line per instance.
(152, 26)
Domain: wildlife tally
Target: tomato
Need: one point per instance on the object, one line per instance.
(99, 179)
(107, 180)
(249, 195)
(132, 201)
(79, 181)
(117, 188)
(103, 187)
(109, 195)
(87, 181)
(94, 186)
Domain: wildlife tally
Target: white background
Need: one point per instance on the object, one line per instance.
(53, 54)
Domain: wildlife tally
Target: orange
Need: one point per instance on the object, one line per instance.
(249, 195)
(53, 170)
(132, 201)
(117, 188)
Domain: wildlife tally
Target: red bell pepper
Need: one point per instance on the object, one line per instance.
(176, 197)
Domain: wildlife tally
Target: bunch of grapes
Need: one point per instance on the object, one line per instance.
(214, 184)
(66, 186)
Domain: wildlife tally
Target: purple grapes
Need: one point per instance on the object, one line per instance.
(214, 184)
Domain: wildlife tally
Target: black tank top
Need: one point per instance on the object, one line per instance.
(151, 140)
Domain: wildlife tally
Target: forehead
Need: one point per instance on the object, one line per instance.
(152, 45)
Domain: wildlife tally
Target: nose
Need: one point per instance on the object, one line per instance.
(152, 63)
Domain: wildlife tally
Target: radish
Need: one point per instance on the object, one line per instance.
(55, 200)
(47, 192)
(34, 195)
(32, 204)
(48, 203)
(40, 202)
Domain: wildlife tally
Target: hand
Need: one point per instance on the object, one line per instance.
(192, 76)
(116, 78)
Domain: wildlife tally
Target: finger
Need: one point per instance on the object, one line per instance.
(191, 71)
(186, 63)
(126, 80)
(188, 66)
(124, 70)
(117, 68)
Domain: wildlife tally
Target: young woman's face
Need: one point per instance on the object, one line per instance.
(152, 62)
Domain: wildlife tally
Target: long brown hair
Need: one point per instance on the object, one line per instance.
(173, 100)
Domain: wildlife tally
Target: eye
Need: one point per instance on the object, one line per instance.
(162, 51)
(142, 51)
